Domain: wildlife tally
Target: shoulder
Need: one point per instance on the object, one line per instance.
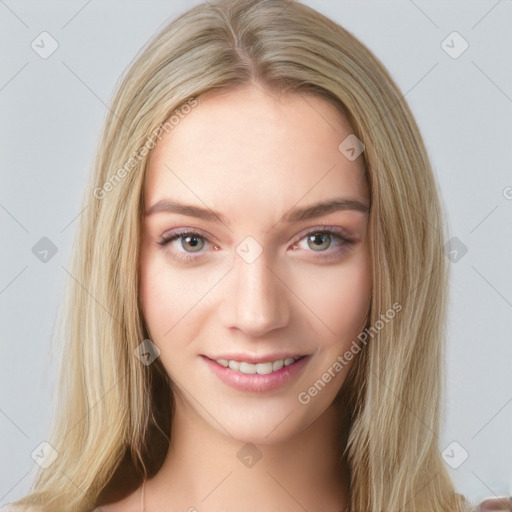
(123, 505)
(498, 504)
(9, 507)
(131, 503)
(118, 506)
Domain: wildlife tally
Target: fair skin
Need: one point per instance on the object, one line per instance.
(253, 156)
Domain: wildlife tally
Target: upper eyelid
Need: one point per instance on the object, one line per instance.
(335, 230)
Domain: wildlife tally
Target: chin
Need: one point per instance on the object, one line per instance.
(267, 427)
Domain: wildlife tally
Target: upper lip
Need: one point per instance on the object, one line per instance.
(256, 358)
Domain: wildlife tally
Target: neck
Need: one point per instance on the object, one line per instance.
(207, 469)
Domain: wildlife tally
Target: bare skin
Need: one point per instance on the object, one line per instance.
(252, 157)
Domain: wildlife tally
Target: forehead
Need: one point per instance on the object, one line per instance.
(247, 148)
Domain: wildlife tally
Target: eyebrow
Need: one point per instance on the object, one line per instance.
(295, 215)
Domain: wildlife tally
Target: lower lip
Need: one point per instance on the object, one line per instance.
(256, 383)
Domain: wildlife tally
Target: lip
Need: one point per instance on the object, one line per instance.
(256, 383)
(255, 359)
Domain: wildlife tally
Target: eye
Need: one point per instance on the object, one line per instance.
(319, 239)
(192, 240)
(327, 242)
(323, 240)
(188, 240)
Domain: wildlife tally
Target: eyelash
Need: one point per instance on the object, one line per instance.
(346, 243)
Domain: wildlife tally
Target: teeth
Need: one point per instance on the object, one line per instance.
(234, 365)
(259, 368)
(277, 365)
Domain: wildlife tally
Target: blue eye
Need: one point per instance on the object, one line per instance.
(319, 241)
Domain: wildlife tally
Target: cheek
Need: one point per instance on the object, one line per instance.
(339, 299)
(157, 292)
(170, 297)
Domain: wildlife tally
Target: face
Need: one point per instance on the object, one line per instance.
(237, 267)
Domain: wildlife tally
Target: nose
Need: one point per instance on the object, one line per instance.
(256, 301)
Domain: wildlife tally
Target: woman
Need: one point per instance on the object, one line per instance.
(256, 318)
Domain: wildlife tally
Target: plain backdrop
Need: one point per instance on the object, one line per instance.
(52, 110)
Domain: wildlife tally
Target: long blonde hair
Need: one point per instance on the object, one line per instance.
(114, 414)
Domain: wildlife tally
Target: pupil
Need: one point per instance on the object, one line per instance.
(192, 240)
(318, 238)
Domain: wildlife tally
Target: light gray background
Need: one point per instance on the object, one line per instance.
(51, 113)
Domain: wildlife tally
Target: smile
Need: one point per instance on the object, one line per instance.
(260, 368)
(256, 376)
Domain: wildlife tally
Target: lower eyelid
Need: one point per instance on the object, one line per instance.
(344, 242)
(177, 236)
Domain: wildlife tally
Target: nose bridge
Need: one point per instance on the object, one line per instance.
(258, 297)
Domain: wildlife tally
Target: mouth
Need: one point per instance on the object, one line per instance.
(258, 374)
(260, 368)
